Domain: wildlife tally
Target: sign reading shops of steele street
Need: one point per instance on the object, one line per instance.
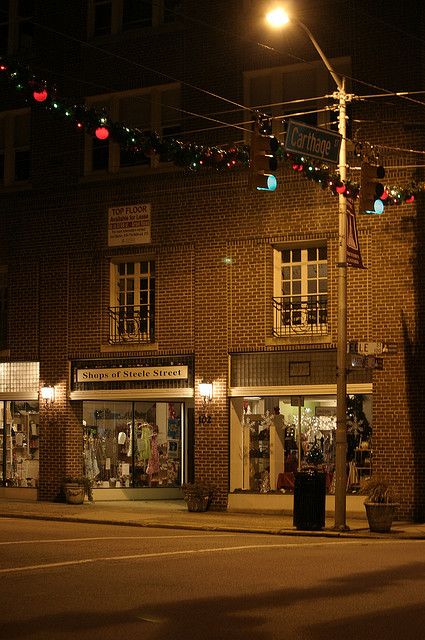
(129, 224)
(312, 142)
(122, 374)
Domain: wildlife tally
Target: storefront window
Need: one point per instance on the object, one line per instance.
(19, 444)
(277, 436)
(133, 444)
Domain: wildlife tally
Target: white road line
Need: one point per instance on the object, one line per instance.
(192, 552)
(49, 540)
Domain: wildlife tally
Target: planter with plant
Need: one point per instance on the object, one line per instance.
(198, 495)
(380, 504)
(76, 488)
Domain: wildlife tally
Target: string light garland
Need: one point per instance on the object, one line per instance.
(183, 154)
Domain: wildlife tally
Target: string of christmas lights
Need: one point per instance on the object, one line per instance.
(183, 154)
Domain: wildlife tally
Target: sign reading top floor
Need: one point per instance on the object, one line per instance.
(129, 224)
(312, 142)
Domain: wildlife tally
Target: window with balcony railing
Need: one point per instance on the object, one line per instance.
(300, 304)
(132, 310)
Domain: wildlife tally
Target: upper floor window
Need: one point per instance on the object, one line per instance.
(16, 27)
(108, 17)
(15, 156)
(3, 307)
(284, 92)
(132, 310)
(300, 299)
(152, 109)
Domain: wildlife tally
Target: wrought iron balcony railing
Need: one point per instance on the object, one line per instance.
(300, 316)
(131, 323)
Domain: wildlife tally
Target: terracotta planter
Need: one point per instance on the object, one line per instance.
(380, 515)
(74, 493)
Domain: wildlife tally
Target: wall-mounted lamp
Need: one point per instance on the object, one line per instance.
(47, 394)
(206, 391)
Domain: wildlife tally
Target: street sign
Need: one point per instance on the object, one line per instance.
(371, 348)
(358, 361)
(312, 142)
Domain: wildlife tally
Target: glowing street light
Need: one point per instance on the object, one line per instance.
(277, 17)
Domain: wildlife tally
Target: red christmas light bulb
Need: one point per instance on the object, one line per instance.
(40, 96)
(102, 133)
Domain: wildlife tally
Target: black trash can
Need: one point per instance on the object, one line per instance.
(309, 500)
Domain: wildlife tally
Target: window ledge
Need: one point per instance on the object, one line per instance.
(302, 339)
(120, 347)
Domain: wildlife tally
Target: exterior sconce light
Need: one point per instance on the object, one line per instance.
(206, 391)
(47, 394)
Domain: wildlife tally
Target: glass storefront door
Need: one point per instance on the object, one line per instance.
(133, 444)
(19, 444)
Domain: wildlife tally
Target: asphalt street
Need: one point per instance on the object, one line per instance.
(94, 581)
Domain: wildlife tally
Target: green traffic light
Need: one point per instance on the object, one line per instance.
(271, 184)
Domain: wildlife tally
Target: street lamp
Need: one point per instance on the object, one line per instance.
(278, 18)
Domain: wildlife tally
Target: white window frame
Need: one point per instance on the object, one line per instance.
(9, 119)
(156, 94)
(300, 321)
(130, 329)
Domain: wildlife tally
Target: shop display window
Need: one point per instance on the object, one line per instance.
(273, 438)
(133, 444)
(19, 444)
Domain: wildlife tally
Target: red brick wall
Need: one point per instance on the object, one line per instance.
(54, 238)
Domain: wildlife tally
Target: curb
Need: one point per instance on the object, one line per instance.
(324, 533)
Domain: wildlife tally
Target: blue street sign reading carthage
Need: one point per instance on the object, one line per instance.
(312, 142)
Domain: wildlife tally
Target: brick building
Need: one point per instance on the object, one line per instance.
(129, 275)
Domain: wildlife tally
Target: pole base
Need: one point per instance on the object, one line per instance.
(341, 527)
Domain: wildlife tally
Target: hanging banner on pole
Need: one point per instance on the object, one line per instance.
(354, 258)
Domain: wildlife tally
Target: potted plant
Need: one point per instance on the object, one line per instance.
(380, 503)
(76, 488)
(198, 495)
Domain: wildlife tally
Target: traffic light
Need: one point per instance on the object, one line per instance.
(263, 163)
(371, 189)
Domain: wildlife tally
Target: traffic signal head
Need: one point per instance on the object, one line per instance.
(371, 189)
(263, 163)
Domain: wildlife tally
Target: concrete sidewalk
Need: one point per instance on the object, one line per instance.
(174, 514)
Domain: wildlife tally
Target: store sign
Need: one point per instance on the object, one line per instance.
(302, 139)
(129, 224)
(123, 374)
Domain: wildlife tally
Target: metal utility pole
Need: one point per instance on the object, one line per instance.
(277, 18)
(341, 367)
